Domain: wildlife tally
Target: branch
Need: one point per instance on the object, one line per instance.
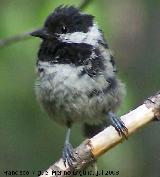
(14, 39)
(84, 4)
(92, 148)
(24, 36)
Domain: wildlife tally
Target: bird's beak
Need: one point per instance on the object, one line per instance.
(41, 33)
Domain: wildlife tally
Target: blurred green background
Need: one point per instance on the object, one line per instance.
(29, 140)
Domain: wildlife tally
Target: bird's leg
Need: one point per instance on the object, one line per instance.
(118, 124)
(68, 150)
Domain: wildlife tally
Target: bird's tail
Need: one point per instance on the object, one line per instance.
(91, 130)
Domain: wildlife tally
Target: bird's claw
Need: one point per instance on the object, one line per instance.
(67, 155)
(119, 125)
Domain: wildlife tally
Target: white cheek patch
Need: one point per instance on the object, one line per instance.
(91, 37)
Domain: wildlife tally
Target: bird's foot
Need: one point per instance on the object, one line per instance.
(68, 155)
(118, 124)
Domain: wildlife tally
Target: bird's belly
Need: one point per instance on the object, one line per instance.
(67, 97)
(64, 103)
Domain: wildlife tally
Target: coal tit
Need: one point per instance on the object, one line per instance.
(77, 78)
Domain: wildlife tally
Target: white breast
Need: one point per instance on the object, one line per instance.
(62, 92)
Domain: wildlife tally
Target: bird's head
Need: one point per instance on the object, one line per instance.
(68, 24)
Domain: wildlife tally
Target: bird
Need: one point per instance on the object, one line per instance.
(76, 75)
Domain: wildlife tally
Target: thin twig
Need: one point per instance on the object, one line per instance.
(84, 4)
(24, 36)
(92, 148)
(14, 39)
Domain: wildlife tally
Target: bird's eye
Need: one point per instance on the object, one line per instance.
(64, 29)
